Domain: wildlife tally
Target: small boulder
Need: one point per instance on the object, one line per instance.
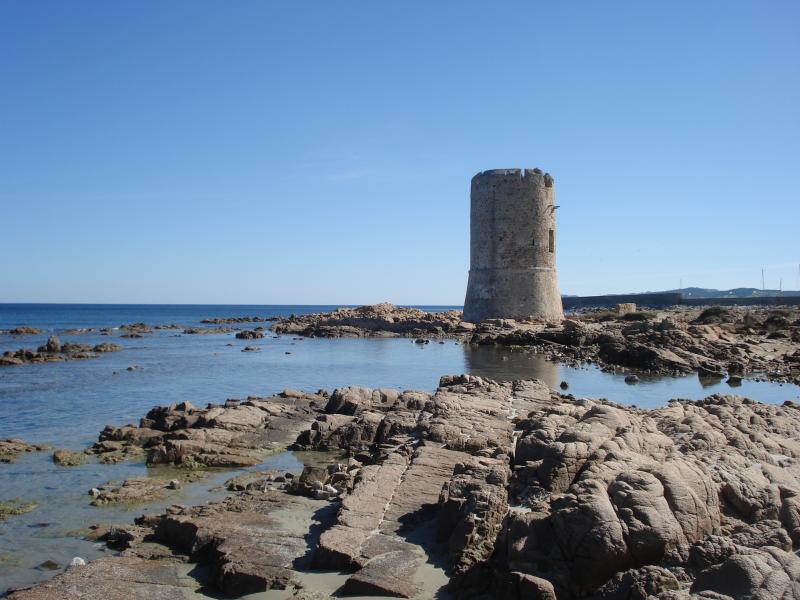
(249, 335)
(53, 345)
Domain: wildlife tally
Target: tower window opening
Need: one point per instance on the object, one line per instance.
(533, 242)
(552, 241)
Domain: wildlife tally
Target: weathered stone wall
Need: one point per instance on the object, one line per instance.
(655, 300)
(512, 246)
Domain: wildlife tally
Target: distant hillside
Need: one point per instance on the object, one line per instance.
(695, 292)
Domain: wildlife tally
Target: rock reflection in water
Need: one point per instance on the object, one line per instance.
(504, 364)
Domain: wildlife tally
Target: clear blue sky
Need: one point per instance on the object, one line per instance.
(321, 152)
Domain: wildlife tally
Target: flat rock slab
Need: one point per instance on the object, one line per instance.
(115, 578)
(417, 496)
(250, 541)
(388, 574)
(133, 490)
(361, 514)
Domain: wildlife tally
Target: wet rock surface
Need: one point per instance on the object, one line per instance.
(22, 330)
(55, 351)
(10, 449)
(510, 489)
(136, 328)
(68, 458)
(249, 335)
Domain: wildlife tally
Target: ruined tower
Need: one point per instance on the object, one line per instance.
(512, 247)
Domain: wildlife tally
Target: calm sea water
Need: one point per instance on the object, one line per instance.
(67, 404)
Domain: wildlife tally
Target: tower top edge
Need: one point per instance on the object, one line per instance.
(506, 174)
(511, 173)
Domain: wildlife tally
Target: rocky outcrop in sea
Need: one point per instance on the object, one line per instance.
(377, 320)
(55, 351)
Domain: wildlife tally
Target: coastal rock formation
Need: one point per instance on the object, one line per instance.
(106, 347)
(674, 341)
(55, 351)
(206, 330)
(741, 341)
(24, 330)
(252, 539)
(375, 320)
(249, 335)
(564, 498)
(116, 578)
(136, 328)
(10, 449)
(68, 458)
(223, 320)
(236, 434)
(133, 490)
(514, 490)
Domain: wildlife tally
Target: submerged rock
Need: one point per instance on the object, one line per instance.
(68, 458)
(10, 449)
(15, 507)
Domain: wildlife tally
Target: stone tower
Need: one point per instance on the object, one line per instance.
(512, 247)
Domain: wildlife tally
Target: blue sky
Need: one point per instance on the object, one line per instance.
(321, 152)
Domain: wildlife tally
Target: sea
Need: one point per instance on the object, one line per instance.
(67, 404)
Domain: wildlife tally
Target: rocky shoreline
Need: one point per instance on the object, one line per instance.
(715, 342)
(511, 490)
